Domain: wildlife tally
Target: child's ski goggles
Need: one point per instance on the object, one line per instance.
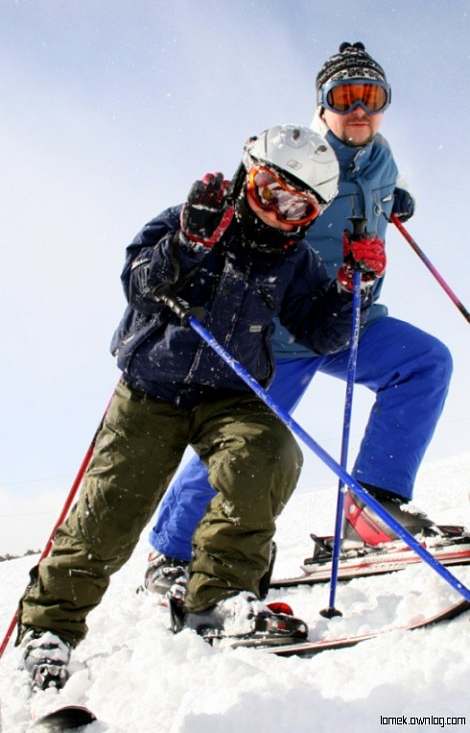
(270, 191)
(342, 97)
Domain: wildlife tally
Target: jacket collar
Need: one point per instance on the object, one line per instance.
(350, 158)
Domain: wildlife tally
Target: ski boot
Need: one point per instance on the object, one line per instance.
(370, 547)
(242, 620)
(265, 582)
(364, 530)
(166, 574)
(45, 657)
(365, 526)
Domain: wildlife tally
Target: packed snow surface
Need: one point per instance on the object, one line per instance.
(136, 676)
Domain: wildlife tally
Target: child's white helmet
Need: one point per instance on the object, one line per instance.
(305, 156)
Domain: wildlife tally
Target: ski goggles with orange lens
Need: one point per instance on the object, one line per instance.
(342, 97)
(271, 192)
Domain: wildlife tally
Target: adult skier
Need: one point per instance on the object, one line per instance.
(238, 255)
(408, 369)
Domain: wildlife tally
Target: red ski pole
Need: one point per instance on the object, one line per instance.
(63, 515)
(456, 301)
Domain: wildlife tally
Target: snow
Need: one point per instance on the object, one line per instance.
(136, 676)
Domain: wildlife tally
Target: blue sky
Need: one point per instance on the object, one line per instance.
(111, 109)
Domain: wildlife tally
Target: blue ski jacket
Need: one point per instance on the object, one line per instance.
(241, 290)
(367, 180)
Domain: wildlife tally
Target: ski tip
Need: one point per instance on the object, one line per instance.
(69, 717)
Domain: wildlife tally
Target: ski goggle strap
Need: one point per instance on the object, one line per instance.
(271, 192)
(342, 97)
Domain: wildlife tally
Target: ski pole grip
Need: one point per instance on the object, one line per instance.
(181, 308)
(359, 224)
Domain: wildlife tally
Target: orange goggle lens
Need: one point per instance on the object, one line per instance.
(343, 97)
(272, 193)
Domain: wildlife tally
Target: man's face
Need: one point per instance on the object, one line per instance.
(355, 128)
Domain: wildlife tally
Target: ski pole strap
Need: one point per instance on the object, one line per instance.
(328, 460)
(454, 298)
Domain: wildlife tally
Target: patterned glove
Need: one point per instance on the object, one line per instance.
(204, 215)
(366, 254)
(403, 204)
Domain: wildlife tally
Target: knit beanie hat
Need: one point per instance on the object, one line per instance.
(352, 62)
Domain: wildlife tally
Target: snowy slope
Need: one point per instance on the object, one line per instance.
(136, 676)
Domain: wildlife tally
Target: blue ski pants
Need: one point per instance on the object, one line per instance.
(409, 371)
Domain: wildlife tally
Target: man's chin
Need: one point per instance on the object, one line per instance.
(354, 142)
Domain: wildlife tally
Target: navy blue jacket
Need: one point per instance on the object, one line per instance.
(241, 290)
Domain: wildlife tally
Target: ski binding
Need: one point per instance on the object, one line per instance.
(451, 547)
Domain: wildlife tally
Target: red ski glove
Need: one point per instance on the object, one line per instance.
(205, 215)
(366, 254)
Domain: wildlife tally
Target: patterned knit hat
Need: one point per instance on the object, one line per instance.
(352, 62)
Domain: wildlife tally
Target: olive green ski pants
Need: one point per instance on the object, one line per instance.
(253, 462)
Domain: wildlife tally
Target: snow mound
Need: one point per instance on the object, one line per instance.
(136, 676)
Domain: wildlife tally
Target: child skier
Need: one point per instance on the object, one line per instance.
(237, 254)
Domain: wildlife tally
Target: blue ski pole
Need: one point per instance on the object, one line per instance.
(351, 376)
(359, 225)
(181, 309)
